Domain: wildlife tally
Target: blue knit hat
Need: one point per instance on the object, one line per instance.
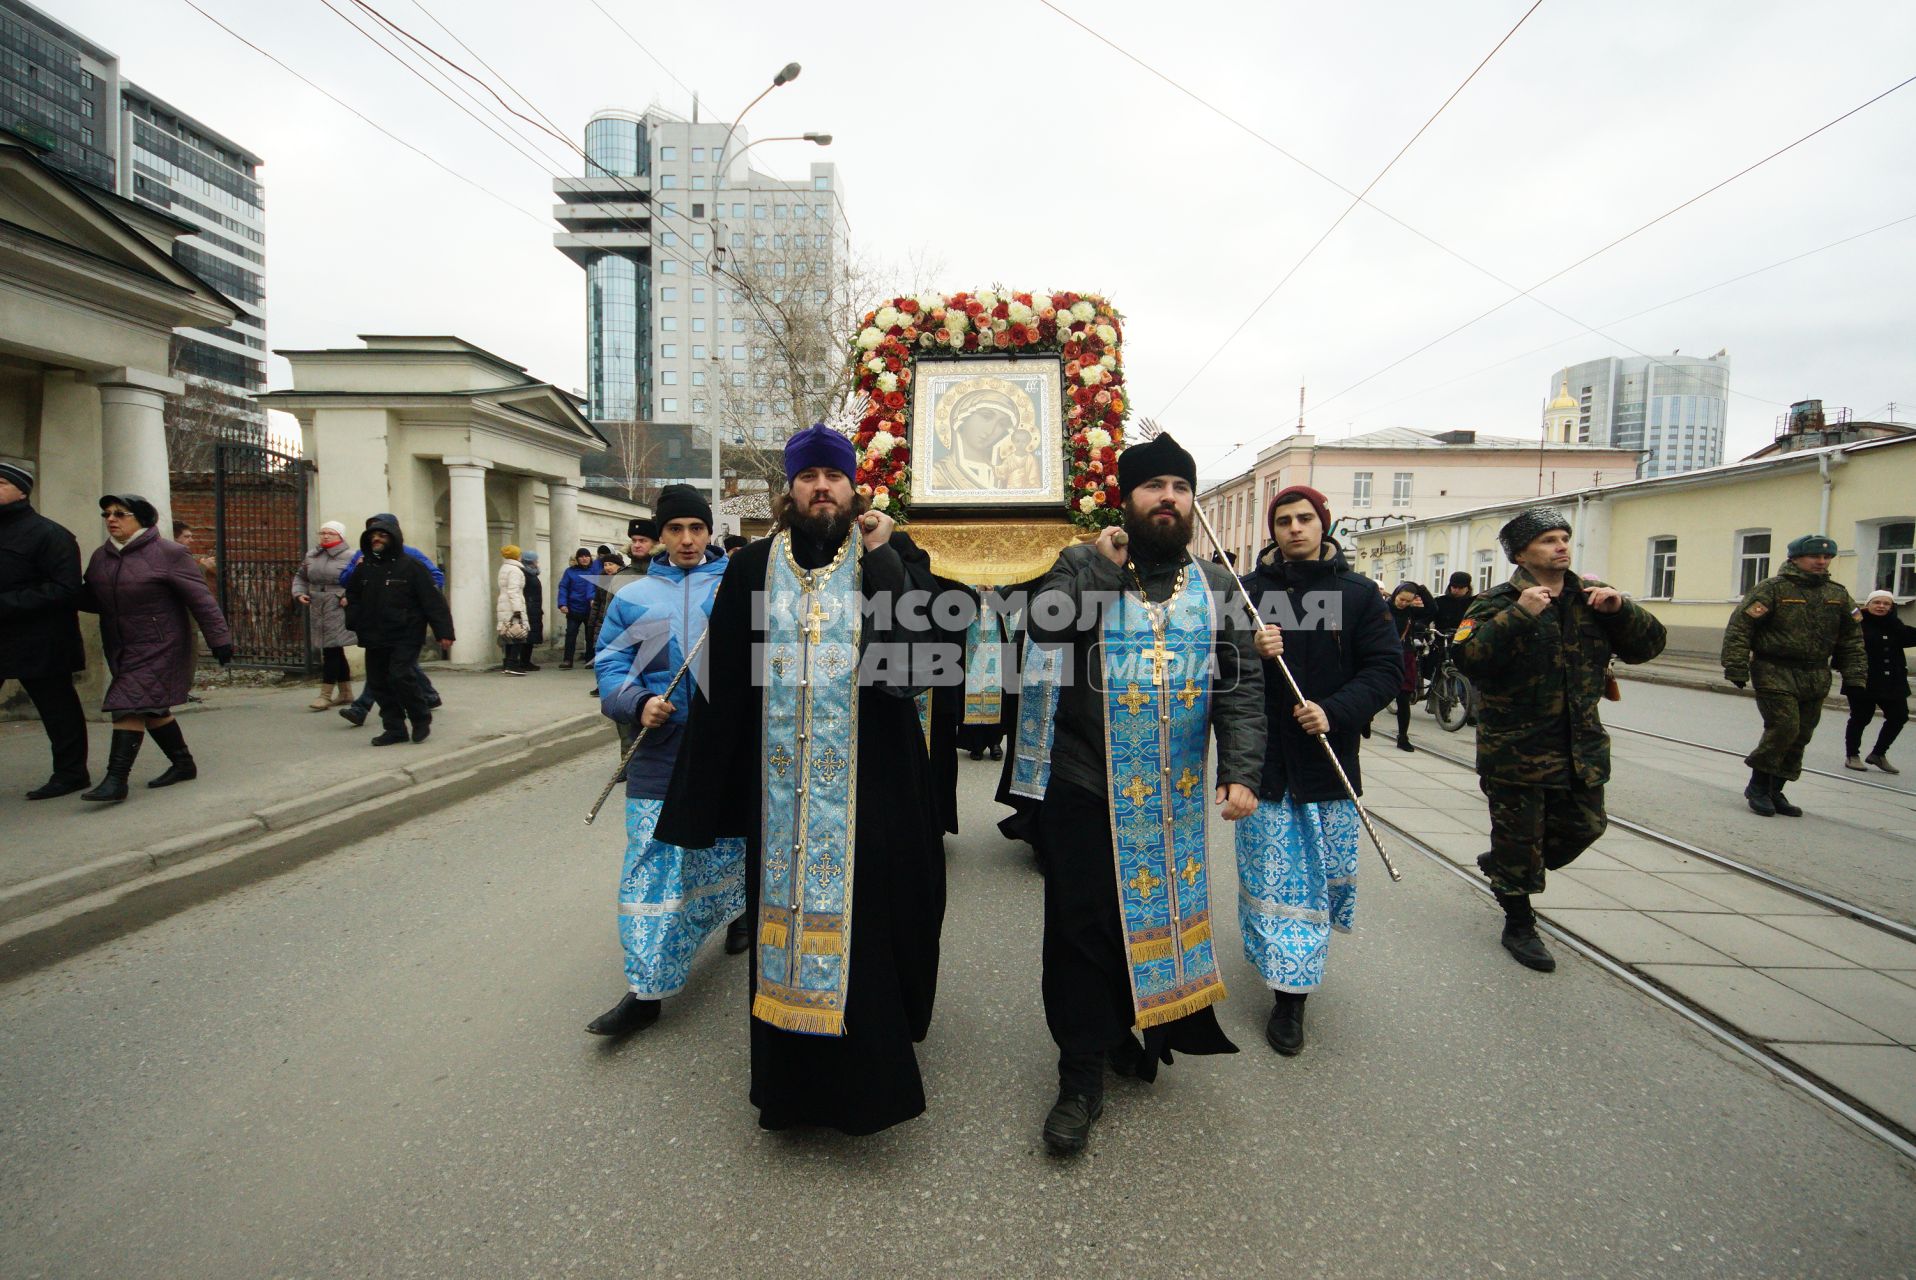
(819, 446)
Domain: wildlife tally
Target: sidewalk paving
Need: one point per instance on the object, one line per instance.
(1695, 671)
(271, 770)
(1833, 995)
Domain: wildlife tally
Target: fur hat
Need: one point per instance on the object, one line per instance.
(642, 527)
(1528, 526)
(1812, 544)
(1460, 578)
(1158, 456)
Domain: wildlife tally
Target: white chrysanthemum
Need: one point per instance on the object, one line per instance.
(869, 338)
(1041, 302)
(1020, 313)
(883, 443)
(986, 298)
(888, 382)
(1082, 310)
(887, 317)
(1108, 361)
(881, 502)
(1091, 375)
(930, 302)
(1098, 438)
(1106, 333)
(875, 364)
(957, 321)
(1088, 504)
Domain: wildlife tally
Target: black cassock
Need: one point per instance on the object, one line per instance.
(866, 1079)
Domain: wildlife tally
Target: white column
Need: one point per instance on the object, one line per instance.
(564, 517)
(133, 438)
(469, 576)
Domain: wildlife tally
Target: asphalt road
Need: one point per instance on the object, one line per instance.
(375, 1066)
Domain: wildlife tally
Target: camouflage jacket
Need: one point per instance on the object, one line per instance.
(1539, 680)
(1796, 619)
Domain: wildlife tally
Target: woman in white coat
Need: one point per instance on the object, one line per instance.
(509, 613)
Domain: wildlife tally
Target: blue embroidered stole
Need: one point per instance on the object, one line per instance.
(1157, 702)
(1037, 720)
(810, 776)
(984, 667)
(922, 703)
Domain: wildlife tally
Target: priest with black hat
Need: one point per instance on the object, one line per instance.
(804, 739)
(1158, 659)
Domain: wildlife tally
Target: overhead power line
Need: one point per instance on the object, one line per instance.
(640, 47)
(1356, 200)
(337, 101)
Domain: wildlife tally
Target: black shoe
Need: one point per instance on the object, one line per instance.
(421, 728)
(1522, 942)
(352, 716)
(1758, 794)
(1780, 801)
(622, 1019)
(566, 665)
(124, 751)
(183, 769)
(56, 786)
(996, 752)
(738, 937)
(391, 737)
(1068, 1125)
(977, 754)
(1403, 743)
(1285, 1029)
(510, 671)
(530, 666)
(434, 702)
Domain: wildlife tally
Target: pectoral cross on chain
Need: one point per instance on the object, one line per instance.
(814, 621)
(1159, 657)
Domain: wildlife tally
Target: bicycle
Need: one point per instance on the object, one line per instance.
(1451, 699)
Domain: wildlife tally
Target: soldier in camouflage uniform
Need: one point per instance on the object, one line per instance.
(1538, 648)
(1784, 637)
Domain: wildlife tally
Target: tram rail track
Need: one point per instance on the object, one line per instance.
(1842, 906)
(1849, 776)
(1756, 1051)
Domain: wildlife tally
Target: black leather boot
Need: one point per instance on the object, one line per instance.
(628, 1015)
(392, 735)
(1779, 801)
(57, 786)
(422, 727)
(738, 936)
(1758, 794)
(1067, 1127)
(168, 738)
(1285, 1029)
(119, 763)
(1520, 934)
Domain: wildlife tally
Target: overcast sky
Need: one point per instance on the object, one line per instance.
(1007, 144)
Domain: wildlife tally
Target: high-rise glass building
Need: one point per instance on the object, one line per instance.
(62, 91)
(687, 254)
(1671, 408)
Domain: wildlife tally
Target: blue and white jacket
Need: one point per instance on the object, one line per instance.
(650, 625)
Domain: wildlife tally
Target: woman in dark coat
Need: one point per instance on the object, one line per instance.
(535, 605)
(148, 592)
(1410, 613)
(1885, 636)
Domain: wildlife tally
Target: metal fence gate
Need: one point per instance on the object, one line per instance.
(259, 521)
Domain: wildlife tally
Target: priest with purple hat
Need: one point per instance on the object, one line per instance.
(804, 740)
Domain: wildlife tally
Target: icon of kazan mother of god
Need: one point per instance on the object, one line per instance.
(971, 443)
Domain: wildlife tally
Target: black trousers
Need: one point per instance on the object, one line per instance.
(1863, 706)
(392, 678)
(574, 624)
(58, 703)
(332, 666)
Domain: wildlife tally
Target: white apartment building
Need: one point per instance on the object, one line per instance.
(685, 248)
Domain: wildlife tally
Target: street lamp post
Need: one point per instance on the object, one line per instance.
(786, 74)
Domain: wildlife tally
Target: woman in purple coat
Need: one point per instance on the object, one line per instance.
(148, 592)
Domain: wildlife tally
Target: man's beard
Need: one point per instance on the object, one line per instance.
(823, 530)
(1157, 541)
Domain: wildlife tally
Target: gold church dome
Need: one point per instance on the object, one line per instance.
(1564, 399)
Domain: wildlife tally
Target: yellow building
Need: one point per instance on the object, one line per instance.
(1688, 546)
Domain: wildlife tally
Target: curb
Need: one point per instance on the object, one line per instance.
(50, 919)
(1707, 685)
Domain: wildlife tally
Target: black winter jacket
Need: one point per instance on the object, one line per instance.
(39, 596)
(391, 599)
(1884, 640)
(1344, 654)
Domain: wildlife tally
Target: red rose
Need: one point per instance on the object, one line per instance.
(974, 308)
(1111, 419)
(901, 454)
(1001, 312)
(1001, 339)
(1020, 334)
(891, 363)
(909, 306)
(971, 340)
(895, 400)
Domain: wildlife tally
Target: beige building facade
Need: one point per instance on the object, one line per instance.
(1689, 546)
(468, 450)
(1398, 474)
(89, 299)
